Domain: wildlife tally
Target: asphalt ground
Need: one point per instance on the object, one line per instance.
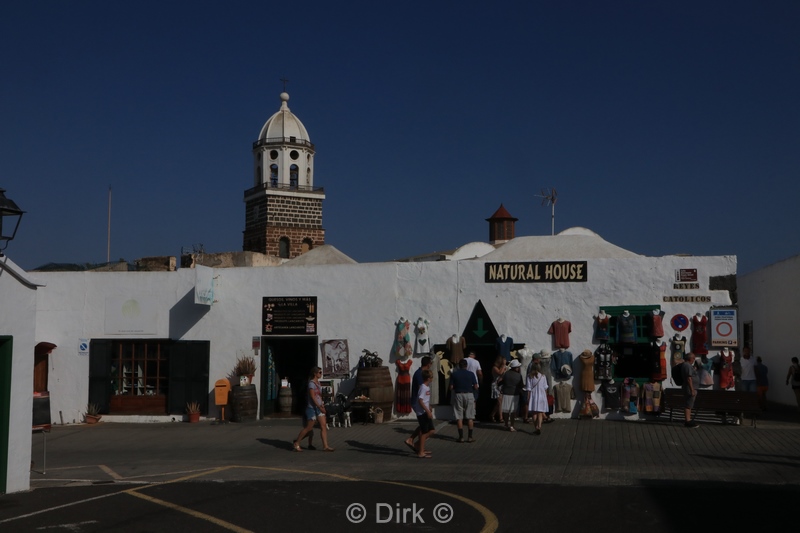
(245, 477)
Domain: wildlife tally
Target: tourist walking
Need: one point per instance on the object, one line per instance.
(463, 384)
(793, 375)
(536, 387)
(315, 412)
(762, 383)
(690, 383)
(511, 388)
(498, 370)
(422, 408)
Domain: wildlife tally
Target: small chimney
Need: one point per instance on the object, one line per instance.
(501, 226)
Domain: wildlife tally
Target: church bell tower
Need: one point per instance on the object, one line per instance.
(283, 210)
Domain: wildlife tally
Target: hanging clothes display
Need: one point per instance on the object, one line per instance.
(503, 346)
(652, 397)
(560, 330)
(678, 349)
(587, 371)
(626, 328)
(699, 335)
(561, 364)
(656, 324)
(601, 331)
(455, 349)
(564, 394)
(725, 367)
(402, 387)
(659, 361)
(629, 401)
(704, 365)
(603, 359)
(611, 395)
(402, 338)
(422, 344)
(271, 389)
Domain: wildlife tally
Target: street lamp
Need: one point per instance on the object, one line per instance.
(10, 217)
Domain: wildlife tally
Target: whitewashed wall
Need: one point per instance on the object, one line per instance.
(768, 297)
(358, 302)
(18, 319)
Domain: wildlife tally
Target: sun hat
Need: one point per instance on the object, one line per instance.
(515, 364)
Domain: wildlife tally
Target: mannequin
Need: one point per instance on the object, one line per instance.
(422, 344)
(402, 339)
(455, 347)
(626, 328)
(560, 330)
(503, 346)
(587, 371)
(699, 334)
(657, 327)
(601, 329)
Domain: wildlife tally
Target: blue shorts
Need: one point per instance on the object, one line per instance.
(312, 413)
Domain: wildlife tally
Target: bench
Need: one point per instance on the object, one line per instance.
(736, 402)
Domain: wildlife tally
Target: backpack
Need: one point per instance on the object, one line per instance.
(677, 375)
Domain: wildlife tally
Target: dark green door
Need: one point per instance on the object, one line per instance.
(5, 404)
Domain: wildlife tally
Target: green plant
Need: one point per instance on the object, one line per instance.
(245, 366)
(92, 409)
(192, 407)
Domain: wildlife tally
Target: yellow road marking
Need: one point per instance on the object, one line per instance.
(191, 512)
(110, 472)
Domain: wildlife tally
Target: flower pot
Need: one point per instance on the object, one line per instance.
(92, 419)
(194, 417)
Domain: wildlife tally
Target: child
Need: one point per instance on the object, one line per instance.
(422, 408)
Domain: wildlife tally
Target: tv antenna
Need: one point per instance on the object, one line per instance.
(549, 198)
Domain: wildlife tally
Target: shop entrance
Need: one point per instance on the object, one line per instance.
(293, 358)
(5, 407)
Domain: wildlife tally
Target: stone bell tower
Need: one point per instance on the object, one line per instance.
(283, 210)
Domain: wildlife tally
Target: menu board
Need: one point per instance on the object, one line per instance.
(289, 315)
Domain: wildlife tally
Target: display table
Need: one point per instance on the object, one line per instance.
(360, 410)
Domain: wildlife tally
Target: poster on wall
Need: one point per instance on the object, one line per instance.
(130, 315)
(723, 328)
(289, 315)
(335, 359)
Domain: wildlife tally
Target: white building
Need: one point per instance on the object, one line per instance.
(138, 344)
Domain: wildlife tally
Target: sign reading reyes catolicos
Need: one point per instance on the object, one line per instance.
(537, 272)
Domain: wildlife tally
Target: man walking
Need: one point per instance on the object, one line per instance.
(463, 386)
(475, 367)
(690, 383)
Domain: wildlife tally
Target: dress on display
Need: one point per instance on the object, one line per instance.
(560, 330)
(626, 329)
(422, 344)
(537, 387)
(678, 350)
(503, 347)
(659, 362)
(603, 359)
(652, 397)
(699, 335)
(456, 349)
(587, 371)
(564, 394)
(725, 370)
(402, 339)
(601, 332)
(657, 327)
(402, 388)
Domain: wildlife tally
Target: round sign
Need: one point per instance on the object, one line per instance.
(679, 322)
(724, 329)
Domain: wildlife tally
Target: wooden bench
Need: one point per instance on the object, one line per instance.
(724, 401)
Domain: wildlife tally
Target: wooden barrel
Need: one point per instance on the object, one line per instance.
(245, 403)
(285, 400)
(378, 381)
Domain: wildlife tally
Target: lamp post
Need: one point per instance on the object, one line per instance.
(10, 217)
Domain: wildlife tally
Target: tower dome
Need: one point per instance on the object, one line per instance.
(283, 125)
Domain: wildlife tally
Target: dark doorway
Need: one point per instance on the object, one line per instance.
(293, 358)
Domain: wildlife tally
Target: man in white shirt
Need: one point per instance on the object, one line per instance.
(475, 367)
(748, 364)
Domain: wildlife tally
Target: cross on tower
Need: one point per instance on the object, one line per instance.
(285, 81)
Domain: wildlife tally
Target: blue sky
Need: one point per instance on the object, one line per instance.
(666, 127)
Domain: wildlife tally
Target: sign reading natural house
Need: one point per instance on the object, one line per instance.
(536, 272)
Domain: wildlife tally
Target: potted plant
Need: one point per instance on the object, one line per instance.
(193, 411)
(245, 366)
(92, 415)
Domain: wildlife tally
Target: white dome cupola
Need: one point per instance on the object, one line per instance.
(283, 155)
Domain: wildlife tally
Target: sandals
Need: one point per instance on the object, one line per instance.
(329, 449)
(296, 447)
